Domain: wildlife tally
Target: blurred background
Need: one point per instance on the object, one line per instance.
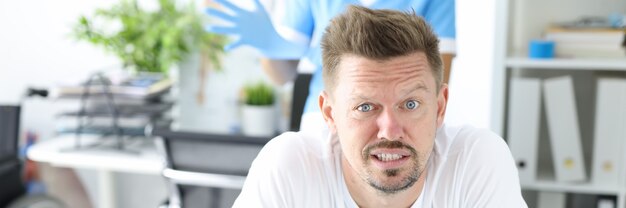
(499, 43)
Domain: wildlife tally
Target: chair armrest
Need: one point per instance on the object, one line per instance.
(204, 179)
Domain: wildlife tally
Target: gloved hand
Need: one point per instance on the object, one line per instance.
(254, 29)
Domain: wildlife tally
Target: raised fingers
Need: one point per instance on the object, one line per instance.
(220, 14)
(221, 29)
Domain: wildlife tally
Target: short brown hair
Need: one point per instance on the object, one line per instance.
(379, 35)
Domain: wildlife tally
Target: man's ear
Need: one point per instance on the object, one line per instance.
(442, 103)
(326, 107)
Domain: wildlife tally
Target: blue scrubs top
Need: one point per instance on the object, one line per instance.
(307, 19)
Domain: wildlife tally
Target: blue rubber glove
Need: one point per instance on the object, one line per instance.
(254, 29)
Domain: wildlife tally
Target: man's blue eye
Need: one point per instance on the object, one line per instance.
(411, 104)
(364, 107)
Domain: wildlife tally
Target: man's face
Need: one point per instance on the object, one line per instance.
(385, 114)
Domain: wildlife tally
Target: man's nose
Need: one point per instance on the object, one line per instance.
(389, 125)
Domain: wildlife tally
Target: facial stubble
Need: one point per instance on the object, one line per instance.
(388, 189)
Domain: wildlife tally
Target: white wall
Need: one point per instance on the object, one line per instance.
(36, 48)
(470, 81)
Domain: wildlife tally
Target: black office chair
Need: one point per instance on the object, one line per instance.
(298, 99)
(206, 170)
(10, 164)
(13, 189)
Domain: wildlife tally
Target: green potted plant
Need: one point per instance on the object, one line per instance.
(258, 112)
(151, 41)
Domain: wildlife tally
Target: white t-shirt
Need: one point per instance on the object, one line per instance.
(469, 167)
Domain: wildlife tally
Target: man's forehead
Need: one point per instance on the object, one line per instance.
(362, 69)
(367, 91)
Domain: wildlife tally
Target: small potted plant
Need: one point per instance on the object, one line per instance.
(258, 112)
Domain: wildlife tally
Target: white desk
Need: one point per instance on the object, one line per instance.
(106, 161)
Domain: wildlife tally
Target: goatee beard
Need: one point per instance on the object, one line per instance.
(406, 183)
(392, 189)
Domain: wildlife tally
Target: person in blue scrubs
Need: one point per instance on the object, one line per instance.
(298, 27)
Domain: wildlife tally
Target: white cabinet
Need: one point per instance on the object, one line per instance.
(518, 22)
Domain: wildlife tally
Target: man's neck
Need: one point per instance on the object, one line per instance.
(366, 196)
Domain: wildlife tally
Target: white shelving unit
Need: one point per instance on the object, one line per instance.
(568, 64)
(546, 182)
(582, 188)
(518, 22)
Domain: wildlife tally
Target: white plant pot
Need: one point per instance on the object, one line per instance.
(258, 120)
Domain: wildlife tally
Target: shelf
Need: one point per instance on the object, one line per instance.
(568, 64)
(582, 188)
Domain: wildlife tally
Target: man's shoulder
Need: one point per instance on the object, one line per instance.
(292, 148)
(292, 142)
(476, 150)
(477, 168)
(284, 166)
(465, 140)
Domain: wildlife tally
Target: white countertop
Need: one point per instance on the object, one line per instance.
(143, 157)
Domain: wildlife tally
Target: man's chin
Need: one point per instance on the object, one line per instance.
(390, 181)
(392, 188)
(391, 173)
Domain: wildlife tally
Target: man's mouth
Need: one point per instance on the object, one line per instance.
(389, 155)
(386, 157)
(389, 158)
(387, 161)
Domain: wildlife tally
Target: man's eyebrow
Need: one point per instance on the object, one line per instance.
(418, 87)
